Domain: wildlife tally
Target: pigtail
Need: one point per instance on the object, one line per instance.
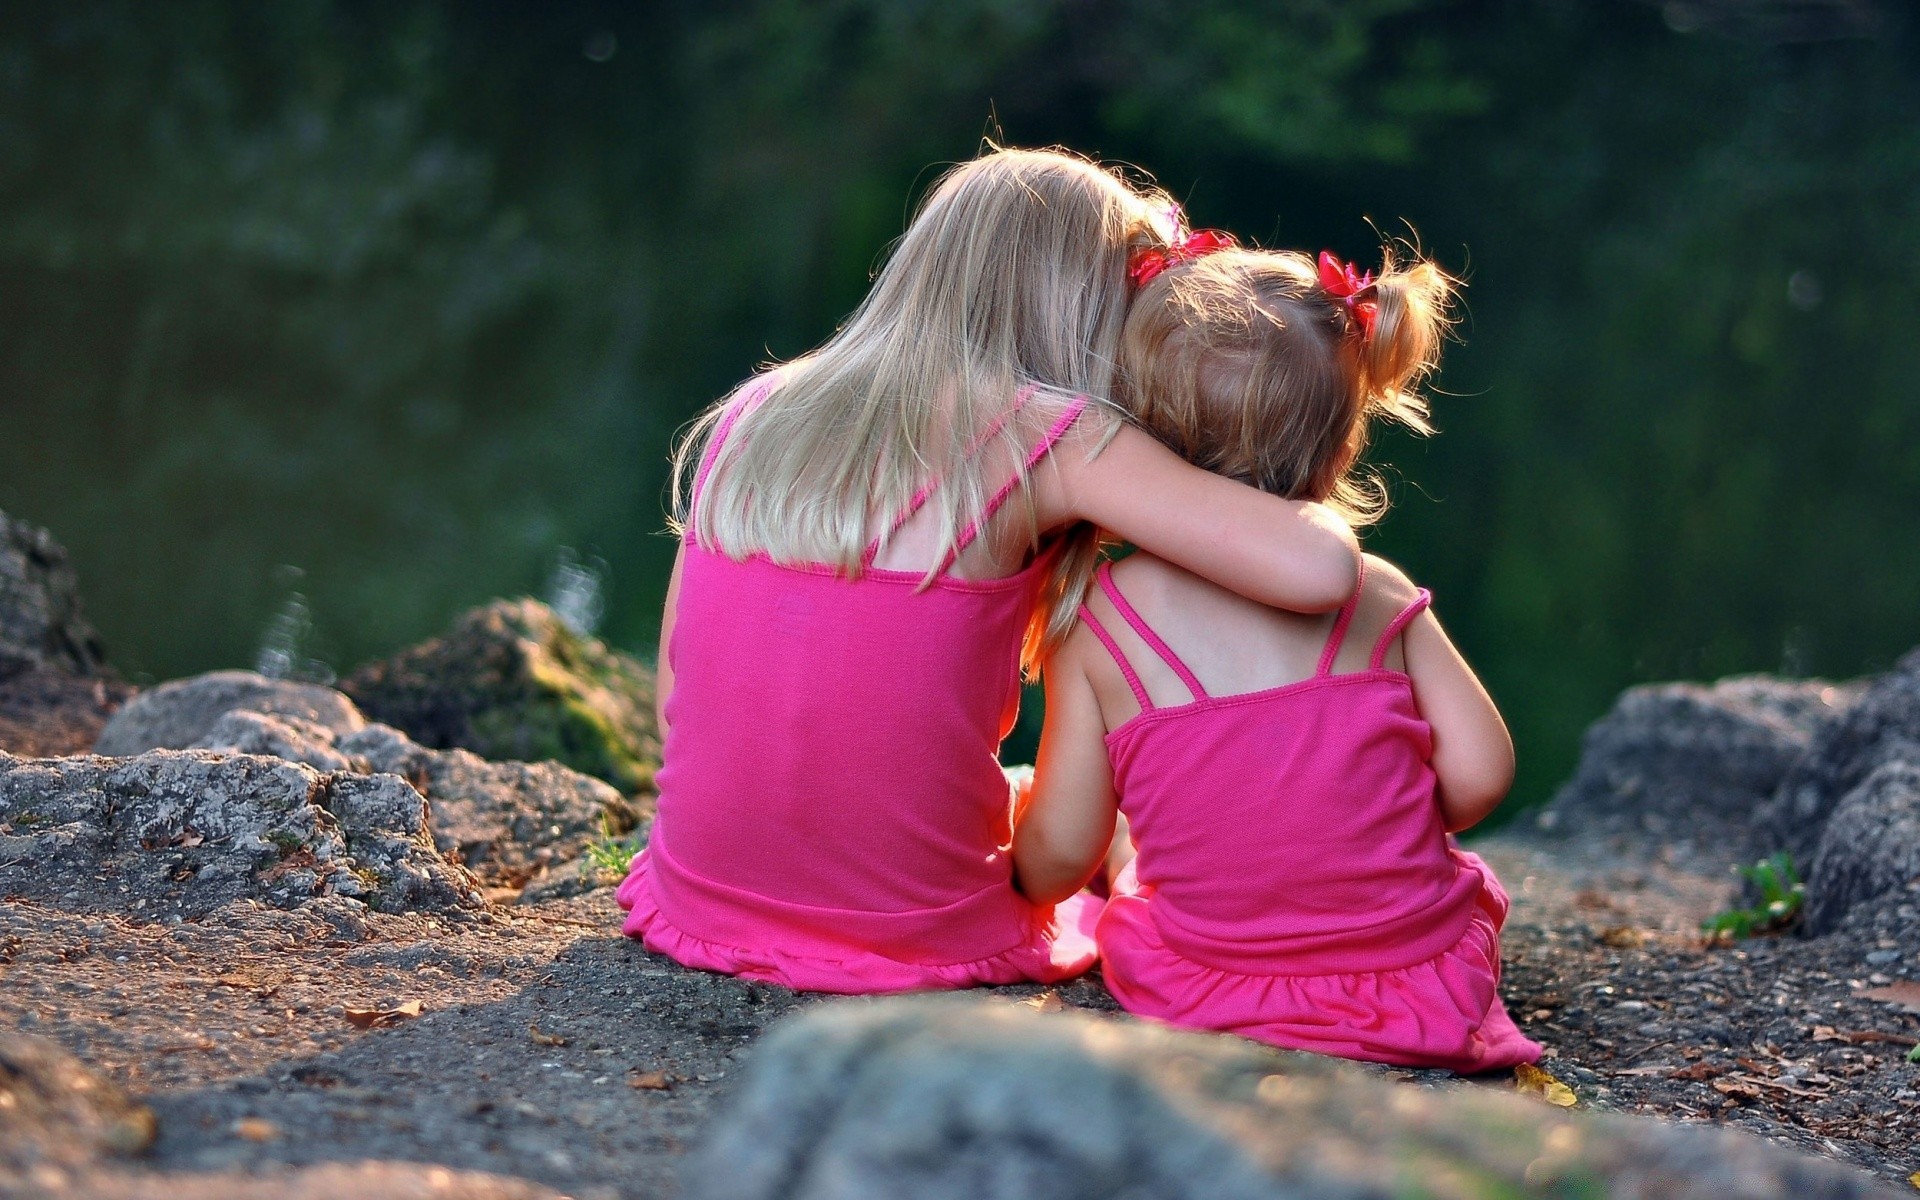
(1411, 318)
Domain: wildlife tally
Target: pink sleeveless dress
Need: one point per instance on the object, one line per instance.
(1294, 883)
(832, 813)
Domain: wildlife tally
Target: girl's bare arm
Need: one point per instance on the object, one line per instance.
(1472, 752)
(1283, 553)
(1062, 834)
(663, 673)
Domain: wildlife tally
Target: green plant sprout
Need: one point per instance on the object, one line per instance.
(1781, 895)
(610, 854)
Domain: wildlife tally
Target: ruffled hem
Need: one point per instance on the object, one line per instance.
(1444, 1012)
(1060, 946)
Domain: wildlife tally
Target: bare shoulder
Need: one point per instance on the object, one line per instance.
(1387, 585)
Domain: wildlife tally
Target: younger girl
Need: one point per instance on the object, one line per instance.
(1289, 780)
(840, 652)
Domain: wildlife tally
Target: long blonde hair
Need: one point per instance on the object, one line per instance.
(1243, 363)
(1011, 278)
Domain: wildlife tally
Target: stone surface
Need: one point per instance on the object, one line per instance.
(41, 623)
(945, 1097)
(512, 682)
(509, 822)
(1692, 764)
(333, 1181)
(176, 834)
(176, 715)
(1869, 847)
(1883, 726)
(56, 1115)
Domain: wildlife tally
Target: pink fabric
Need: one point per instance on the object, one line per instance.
(832, 812)
(1294, 883)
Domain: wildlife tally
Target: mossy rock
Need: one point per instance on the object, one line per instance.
(513, 682)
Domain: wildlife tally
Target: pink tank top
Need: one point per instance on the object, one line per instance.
(832, 812)
(1291, 830)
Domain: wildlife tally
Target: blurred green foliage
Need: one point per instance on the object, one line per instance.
(409, 295)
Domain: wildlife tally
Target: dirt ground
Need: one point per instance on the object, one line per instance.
(547, 1047)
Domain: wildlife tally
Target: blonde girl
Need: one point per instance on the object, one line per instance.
(872, 532)
(1289, 780)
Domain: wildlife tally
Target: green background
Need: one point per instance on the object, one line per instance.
(386, 303)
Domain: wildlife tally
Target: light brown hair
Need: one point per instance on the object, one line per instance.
(1241, 362)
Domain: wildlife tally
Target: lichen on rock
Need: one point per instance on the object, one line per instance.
(513, 682)
(179, 714)
(180, 833)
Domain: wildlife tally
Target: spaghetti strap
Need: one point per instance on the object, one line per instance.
(1105, 576)
(926, 489)
(1119, 660)
(1397, 626)
(1040, 451)
(1340, 623)
(755, 391)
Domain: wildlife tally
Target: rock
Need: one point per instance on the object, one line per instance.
(183, 832)
(56, 1115)
(176, 715)
(506, 821)
(291, 738)
(41, 624)
(328, 1181)
(46, 712)
(1882, 726)
(1869, 847)
(1690, 764)
(512, 682)
(945, 1097)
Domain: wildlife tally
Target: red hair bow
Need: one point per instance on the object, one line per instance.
(1343, 283)
(1147, 264)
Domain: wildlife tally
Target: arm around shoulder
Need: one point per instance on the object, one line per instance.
(1284, 553)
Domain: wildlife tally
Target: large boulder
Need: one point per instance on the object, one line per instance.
(939, 1098)
(513, 681)
(1882, 726)
(180, 833)
(41, 624)
(1869, 847)
(1688, 765)
(507, 822)
(179, 714)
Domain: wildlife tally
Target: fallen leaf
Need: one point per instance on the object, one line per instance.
(1621, 937)
(380, 1018)
(1860, 1037)
(256, 1129)
(1776, 1085)
(1904, 993)
(542, 1038)
(650, 1081)
(1046, 1002)
(1530, 1080)
(1698, 1071)
(1739, 1093)
(1914, 1179)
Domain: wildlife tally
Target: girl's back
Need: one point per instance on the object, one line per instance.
(1285, 815)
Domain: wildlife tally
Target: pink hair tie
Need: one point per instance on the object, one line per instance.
(1343, 283)
(1146, 264)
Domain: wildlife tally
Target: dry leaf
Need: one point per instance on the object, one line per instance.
(650, 1081)
(1530, 1080)
(1860, 1037)
(1621, 937)
(542, 1038)
(1904, 993)
(1914, 1179)
(256, 1129)
(1046, 1002)
(1698, 1072)
(380, 1018)
(1739, 1093)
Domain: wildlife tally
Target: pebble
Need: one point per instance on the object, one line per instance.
(1882, 958)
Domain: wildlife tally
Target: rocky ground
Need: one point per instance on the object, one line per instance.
(272, 948)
